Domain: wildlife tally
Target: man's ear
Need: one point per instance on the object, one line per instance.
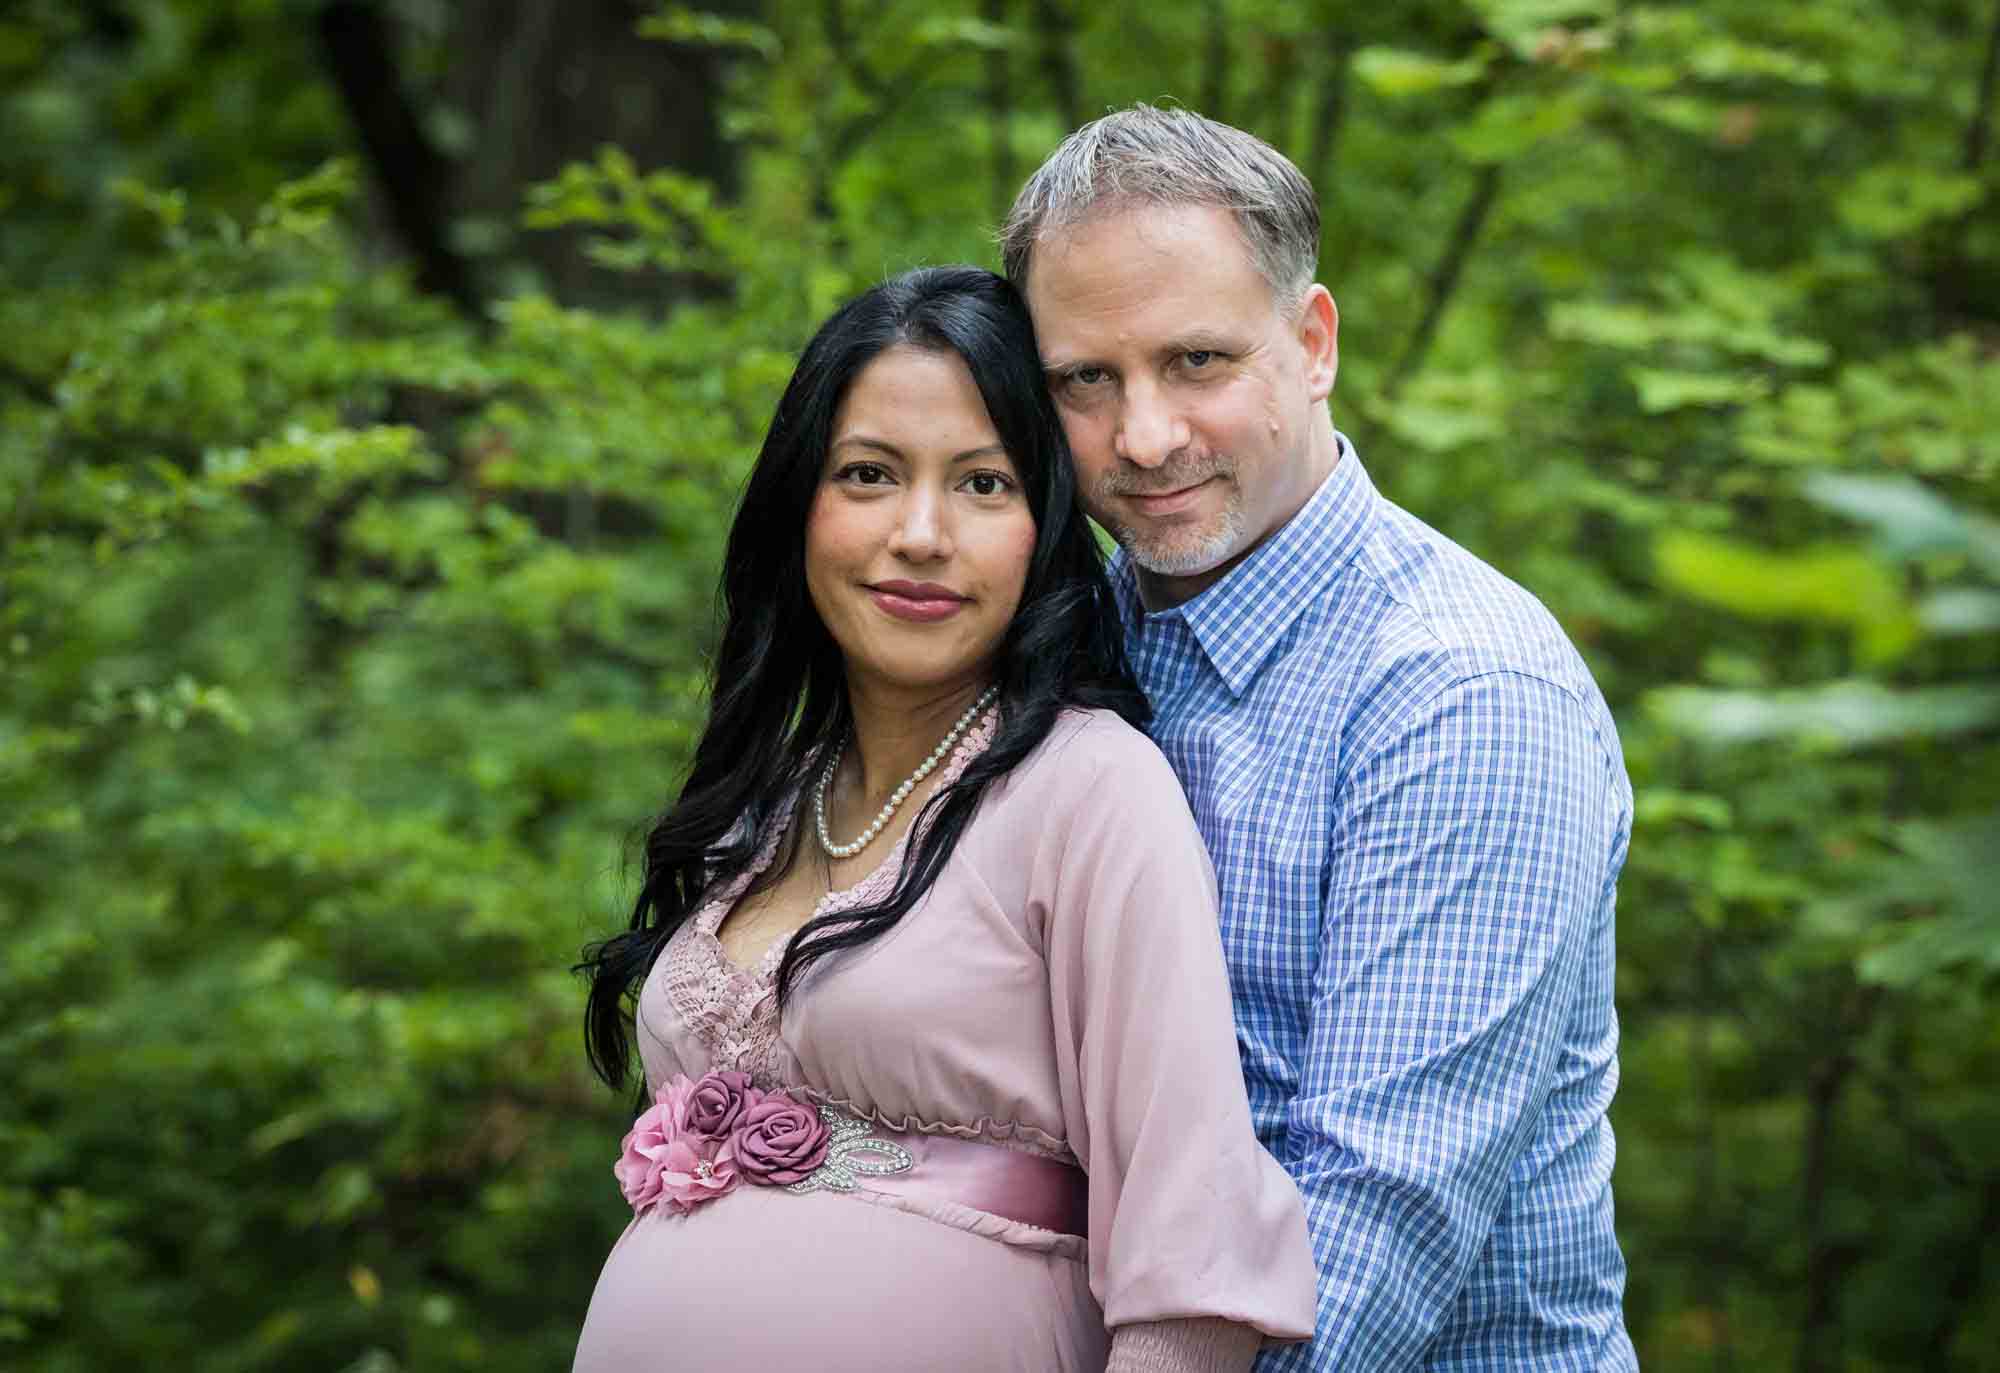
(1319, 336)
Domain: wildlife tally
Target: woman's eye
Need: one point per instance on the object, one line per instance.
(988, 484)
(863, 474)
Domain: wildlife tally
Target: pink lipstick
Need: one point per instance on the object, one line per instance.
(923, 602)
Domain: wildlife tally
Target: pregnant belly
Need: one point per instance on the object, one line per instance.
(762, 1279)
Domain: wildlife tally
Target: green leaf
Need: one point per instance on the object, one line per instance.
(1508, 125)
(1396, 73)
(1666, 806)
(1521, 22)
(1961, 611)
(1910, 519)
(1896, 201)
(1838, 716)
(1661, 390)
(681, 24)
(1834, 584)
(1439, 428)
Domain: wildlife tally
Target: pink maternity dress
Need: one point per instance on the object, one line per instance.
(1059, 994)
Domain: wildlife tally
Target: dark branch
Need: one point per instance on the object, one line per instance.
(1267, 110)
(1977, 132)
(361, 58)
(1961, 1285)
(1445, 276)
(833, 18)
(1824, 1263)
(34, 388)
(1827, 1257)
(1059, 60)
(1215, 66)
(851, 135)
(1929, 1143)
(1000, 105)
(1330, 113)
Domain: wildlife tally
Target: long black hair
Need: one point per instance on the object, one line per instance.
(778, 694)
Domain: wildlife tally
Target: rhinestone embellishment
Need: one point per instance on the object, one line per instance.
(850, 1142)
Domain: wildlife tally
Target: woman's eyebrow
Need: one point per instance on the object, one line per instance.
(866, 441)
(888, 449)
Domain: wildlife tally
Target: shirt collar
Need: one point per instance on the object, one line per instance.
(1243, 617)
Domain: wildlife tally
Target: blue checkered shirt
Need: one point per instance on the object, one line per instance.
(1417, 808)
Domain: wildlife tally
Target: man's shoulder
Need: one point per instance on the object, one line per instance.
(1442, 616)
(1411, 618)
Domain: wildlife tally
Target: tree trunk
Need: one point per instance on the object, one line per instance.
(411, 176)
(1000, 108)
(1826, 1259)
(1215, 64)
(548, 82)
(1059, 60)
(536, 84)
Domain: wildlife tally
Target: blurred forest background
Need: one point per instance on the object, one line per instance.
(376, 379)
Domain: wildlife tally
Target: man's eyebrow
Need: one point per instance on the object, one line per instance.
(1200, 341)
(1194, 341)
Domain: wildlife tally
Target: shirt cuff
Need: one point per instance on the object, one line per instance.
(1206, 1344)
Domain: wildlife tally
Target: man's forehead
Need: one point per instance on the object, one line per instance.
(1163, 229)
(1144, 279)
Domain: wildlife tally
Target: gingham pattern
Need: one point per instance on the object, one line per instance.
(1417, 807)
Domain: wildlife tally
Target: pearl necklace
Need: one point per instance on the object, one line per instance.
(896, 797)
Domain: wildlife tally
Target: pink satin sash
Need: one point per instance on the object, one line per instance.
(1018, 1186)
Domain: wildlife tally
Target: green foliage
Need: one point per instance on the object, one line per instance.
(346, 643)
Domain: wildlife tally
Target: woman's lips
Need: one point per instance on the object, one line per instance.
(925, 607)
(1170, 502)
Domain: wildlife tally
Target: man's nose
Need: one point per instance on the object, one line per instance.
(922, 532)
(1149, 429)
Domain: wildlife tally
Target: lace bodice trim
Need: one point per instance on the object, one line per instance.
(733, 1011)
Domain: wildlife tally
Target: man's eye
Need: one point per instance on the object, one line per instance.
(1087, 376)
(1199, 357)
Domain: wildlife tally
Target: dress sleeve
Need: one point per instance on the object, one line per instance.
(1190, 1218)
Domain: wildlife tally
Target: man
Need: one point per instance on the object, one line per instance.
(1412, 790)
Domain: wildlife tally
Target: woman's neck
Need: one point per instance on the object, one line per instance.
(895, 731)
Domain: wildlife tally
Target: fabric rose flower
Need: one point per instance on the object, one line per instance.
(779, 1141)
(718, 1102)
(663, 1162)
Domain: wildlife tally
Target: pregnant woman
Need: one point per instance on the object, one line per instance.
(924, 974)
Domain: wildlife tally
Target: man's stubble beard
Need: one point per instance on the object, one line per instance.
(1186, 553)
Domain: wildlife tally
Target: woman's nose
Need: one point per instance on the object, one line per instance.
(921, 533)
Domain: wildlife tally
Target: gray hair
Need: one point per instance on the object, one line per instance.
(1147, 155)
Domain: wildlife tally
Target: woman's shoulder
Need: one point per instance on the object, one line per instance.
(1094, 785)
(1092, 752)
